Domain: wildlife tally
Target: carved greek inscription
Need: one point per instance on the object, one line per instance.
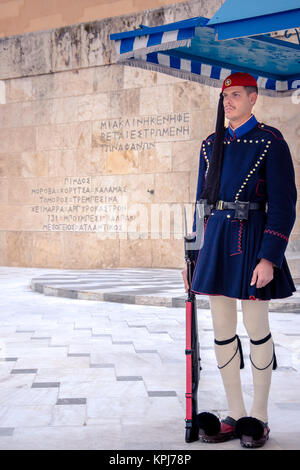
(140, 133)
(80, 205)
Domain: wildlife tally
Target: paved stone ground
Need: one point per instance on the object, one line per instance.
(85, 374)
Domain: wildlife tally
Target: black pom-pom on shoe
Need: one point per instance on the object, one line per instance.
(209, 422)
(251, 432)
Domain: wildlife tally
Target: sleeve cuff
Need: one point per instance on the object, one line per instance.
(276, 261)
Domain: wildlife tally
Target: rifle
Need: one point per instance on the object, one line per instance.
(192, 351)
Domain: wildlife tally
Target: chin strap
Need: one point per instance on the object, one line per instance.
(273, 360)
(239, 348)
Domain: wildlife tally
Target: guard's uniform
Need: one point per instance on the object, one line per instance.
(257, 167)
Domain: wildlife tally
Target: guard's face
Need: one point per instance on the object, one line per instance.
(237, 103)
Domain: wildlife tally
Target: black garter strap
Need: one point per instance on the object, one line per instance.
(262, 341)
(239, 348)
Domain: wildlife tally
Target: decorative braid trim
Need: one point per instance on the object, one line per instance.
(239, 247)
(256, 165)
(278, 234)
(206, 159)
(262, 127)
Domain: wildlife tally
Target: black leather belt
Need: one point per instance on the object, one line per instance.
(220, 205)
(241, 208)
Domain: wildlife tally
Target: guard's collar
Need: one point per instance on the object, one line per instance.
(243, 128)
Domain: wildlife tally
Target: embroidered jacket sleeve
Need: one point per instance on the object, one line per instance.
(281, 198)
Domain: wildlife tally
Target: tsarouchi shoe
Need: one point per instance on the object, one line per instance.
(212, 430)
(252, 432)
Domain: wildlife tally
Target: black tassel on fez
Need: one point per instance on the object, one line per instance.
(212, 181)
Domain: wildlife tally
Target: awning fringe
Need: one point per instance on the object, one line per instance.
(183, 74)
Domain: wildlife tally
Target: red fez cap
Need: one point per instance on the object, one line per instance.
(239, 79)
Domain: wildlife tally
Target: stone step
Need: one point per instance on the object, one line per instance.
(293, 260)
(157, 287)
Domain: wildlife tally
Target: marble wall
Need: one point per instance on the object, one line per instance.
(90, 160)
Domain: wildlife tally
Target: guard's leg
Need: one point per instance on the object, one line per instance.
(228, 352)
(262, 355)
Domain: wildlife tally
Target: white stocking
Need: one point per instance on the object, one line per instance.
(224, 317)
(256, 321)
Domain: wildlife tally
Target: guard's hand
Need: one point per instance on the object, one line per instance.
(184, 275)
(263, 273)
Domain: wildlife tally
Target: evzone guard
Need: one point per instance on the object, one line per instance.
(246, 186)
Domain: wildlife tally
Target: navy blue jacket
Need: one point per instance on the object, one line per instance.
(257, 167)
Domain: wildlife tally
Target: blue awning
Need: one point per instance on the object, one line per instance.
(236, 19)
(188, 49)
(156, 38)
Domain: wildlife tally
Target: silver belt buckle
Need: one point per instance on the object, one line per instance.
(220, 205)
